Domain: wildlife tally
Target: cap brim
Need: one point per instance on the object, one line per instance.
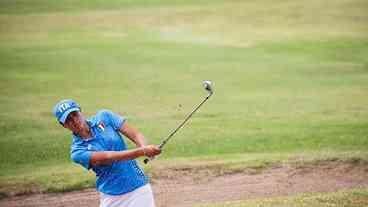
(65, 115)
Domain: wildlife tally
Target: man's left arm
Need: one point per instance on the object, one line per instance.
(133, 134)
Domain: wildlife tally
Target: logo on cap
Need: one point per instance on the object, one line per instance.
(63, 107)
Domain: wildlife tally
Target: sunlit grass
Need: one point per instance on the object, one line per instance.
(289, 77)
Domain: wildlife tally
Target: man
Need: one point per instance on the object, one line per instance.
(98, 145)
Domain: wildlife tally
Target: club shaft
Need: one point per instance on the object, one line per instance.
(182, 124)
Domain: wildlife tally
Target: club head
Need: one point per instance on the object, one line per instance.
(208, 86)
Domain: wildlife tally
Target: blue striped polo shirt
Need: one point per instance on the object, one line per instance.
(119, 177)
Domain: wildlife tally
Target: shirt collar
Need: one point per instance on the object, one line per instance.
(91, 123)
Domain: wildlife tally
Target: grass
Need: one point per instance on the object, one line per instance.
(346, 198)
(47, 178)
(289, 77)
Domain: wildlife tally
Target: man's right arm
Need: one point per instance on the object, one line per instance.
(107, 157)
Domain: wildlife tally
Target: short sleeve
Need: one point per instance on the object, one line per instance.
(115, 120)
(81, 156)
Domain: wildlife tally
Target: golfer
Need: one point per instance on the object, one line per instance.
(98, 144)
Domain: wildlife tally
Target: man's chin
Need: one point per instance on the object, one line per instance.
(75, 131)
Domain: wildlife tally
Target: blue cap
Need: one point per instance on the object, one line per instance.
(64, 108)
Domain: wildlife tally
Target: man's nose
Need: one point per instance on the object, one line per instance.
(76, 118)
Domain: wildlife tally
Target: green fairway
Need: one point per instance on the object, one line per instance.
(290, 78)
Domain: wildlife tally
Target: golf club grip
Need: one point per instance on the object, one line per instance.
(148, 159)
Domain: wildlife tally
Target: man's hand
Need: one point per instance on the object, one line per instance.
(151, 150)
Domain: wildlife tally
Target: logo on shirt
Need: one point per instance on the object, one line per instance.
(101, 126)
(89, 147)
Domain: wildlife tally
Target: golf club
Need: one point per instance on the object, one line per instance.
(208, 86)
